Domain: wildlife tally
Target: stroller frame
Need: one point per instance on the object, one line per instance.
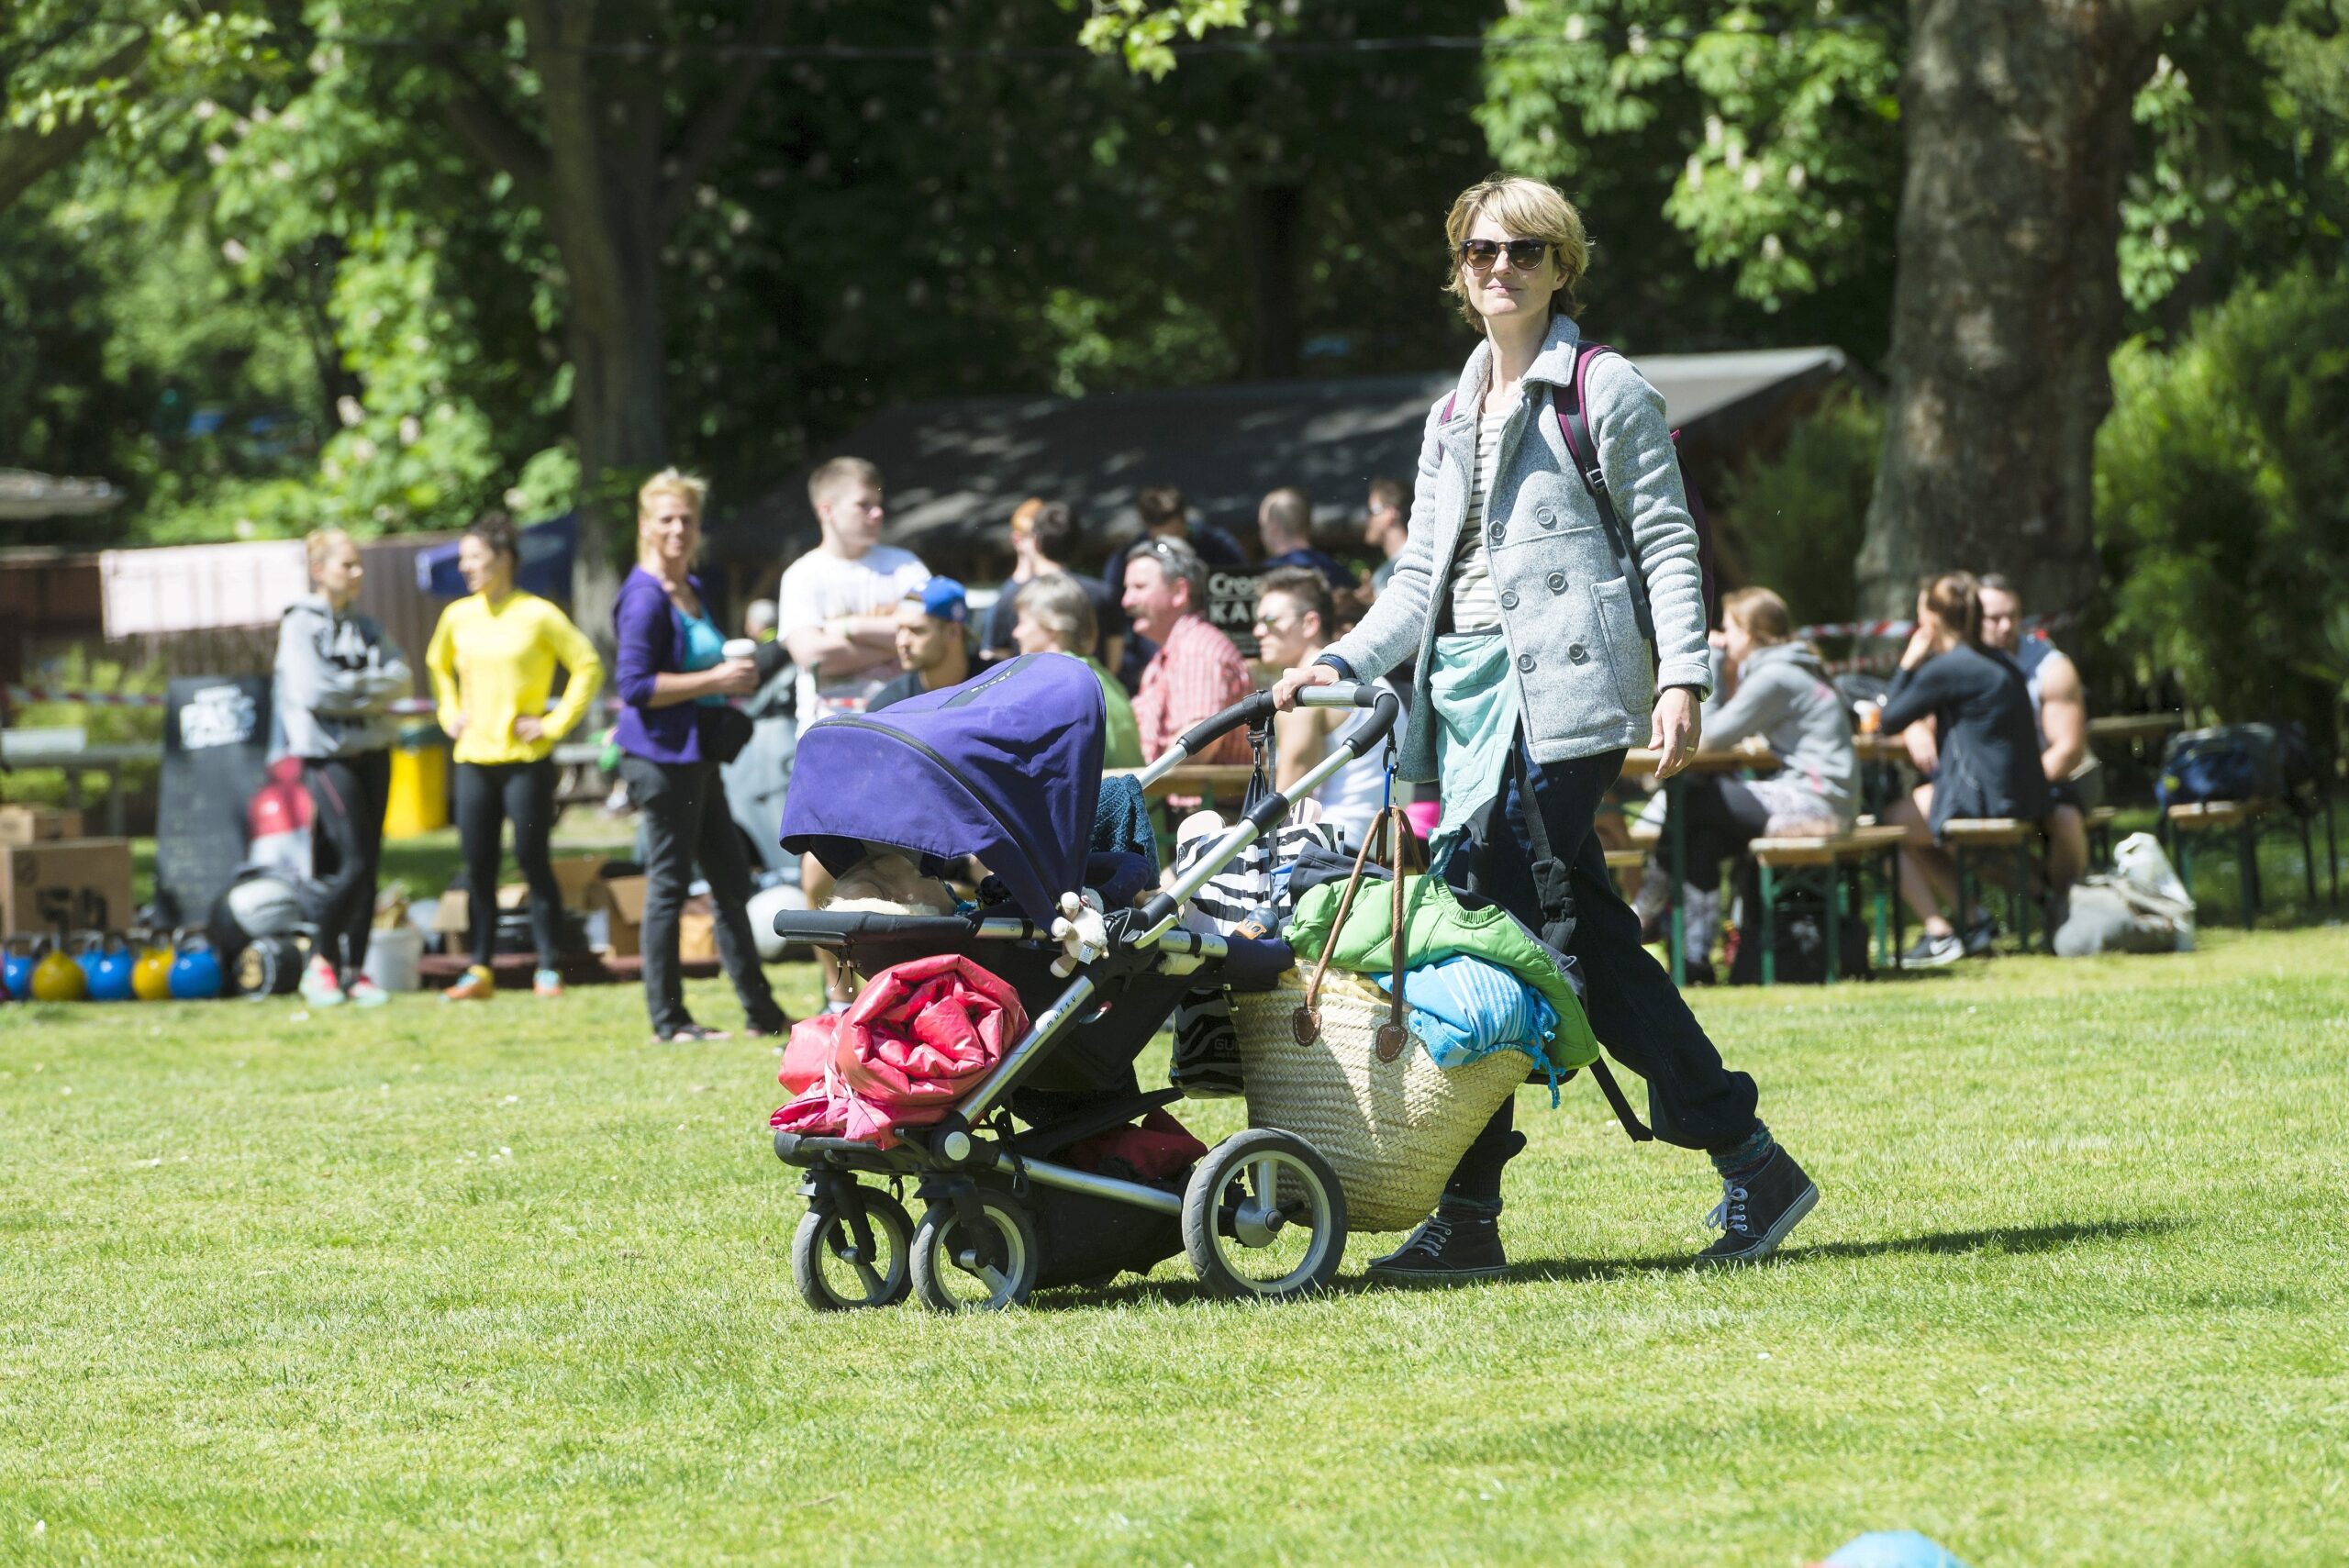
(978, 1177)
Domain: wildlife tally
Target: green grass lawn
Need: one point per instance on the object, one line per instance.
(509, 1285)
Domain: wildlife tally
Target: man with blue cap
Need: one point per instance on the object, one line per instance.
(933, 626)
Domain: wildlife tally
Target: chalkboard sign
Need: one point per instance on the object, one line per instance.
(1231, 605)
(215, 746)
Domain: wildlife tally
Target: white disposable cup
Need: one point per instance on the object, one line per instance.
(738, 647)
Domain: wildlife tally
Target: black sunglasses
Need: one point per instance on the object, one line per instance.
(1523, 254)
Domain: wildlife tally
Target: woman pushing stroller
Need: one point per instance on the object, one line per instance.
(1536, 675)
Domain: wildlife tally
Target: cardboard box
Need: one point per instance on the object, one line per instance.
(83, 884)
(696, 933)
(624, 897)
(581, 879)
(37, 824)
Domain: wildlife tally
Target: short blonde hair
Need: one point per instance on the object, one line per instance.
(318, 542)
(836, 475)
(691, 488)
(1530, 209)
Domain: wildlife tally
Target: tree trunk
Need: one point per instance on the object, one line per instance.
(1270, 215)
(602, 164)
(2007, 305)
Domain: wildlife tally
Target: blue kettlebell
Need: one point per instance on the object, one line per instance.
(196, 973)
(107, 961)
(16, 969)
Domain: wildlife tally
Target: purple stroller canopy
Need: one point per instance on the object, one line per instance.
(1006, 766)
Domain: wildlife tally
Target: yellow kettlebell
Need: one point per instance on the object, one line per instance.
(57, 978)
(150, 977)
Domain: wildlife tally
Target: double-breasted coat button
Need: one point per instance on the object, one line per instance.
(1525, 663)
(1577, 653)
(1547, 517)
(1495, 531)
(1557, 582)
(1508, 599)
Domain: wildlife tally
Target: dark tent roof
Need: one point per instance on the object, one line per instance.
(956, 468)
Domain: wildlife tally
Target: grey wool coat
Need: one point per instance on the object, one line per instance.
(1586, 679)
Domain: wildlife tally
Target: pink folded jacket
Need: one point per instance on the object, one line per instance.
(919, 1037)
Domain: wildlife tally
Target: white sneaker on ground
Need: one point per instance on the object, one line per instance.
(321, 988)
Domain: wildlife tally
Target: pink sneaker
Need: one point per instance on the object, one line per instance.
(364, 993)
(321, 988)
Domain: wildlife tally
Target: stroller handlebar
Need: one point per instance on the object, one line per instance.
(1157, 917)
(1257, 707)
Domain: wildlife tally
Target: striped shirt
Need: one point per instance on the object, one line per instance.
(1474, 606)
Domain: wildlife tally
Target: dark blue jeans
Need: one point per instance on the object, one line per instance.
(1636, 1012)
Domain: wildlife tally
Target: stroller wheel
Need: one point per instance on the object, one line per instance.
(835, 1274)
(959, 1267)
(1263, 1216)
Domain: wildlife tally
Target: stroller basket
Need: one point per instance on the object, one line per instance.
(955, 772)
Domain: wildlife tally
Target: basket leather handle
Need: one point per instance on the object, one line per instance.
(1305, 1022)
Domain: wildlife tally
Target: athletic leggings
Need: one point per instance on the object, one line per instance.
(347, 797)
(490, 795)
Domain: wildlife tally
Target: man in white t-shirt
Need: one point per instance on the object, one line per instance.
(836, 613)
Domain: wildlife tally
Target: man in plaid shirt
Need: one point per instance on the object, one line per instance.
(1197, 671)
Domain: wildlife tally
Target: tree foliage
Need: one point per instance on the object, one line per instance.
(2222, 500)
(1766, 136)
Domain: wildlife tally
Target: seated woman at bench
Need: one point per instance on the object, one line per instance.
(1779, 693)
(1988, 755)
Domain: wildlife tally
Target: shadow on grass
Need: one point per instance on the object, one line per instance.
(2024, 1242)
(2021, 1242)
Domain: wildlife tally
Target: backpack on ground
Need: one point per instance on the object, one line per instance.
(2141, 908)
(1800, 925)
(1576, 428)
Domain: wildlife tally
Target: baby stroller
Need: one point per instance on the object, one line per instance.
(1007, 768)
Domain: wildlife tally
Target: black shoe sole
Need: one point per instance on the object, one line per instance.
(1805, 1201)
(1434, 1276)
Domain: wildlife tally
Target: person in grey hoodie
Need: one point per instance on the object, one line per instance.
(1782, 696)
(338, 674)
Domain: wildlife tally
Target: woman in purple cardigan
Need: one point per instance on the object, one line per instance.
(673, 680)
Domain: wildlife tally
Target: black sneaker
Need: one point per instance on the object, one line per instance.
(1757, 1211)
(1980, 935)
(1450, 1244)
(1930, 951)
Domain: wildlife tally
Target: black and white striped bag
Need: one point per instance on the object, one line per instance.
(1207, 1050)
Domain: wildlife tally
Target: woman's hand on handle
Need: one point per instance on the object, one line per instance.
(1672, 733)
(1294, 681)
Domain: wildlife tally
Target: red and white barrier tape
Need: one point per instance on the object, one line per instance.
(1865, 630)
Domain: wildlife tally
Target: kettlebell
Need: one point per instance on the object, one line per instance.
(106, 964)
(270, 966)
(57, 978)
(196, 973)
(151, 976)
(16, 969)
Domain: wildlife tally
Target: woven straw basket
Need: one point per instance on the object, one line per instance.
(1392, 1130)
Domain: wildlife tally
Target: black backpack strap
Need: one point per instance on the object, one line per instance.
(1583, 448)
(1632, 1125)
(1553, 882)
(1553, 887)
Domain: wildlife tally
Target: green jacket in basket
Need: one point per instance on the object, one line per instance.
(1434, 927)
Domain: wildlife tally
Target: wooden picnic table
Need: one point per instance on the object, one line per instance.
(1640, 762)
(2139, 733)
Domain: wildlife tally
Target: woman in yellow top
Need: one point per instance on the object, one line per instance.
(492, 661)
